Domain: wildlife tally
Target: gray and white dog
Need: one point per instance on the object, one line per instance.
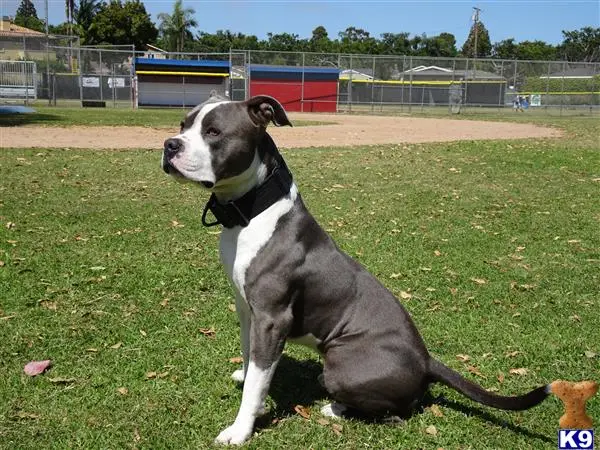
(293, 283)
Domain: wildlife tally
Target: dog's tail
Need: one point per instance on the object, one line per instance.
(443, 374)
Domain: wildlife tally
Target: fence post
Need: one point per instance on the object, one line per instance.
(466, 83)
(410, 86)
(337, 97)
(54, 89)
(79, 69)
(114, 87)
(562, 87)
(248, 83)
(101, 71)
(183, 89)
(302, 85)
(350, 87)
(373, 87)
(548, 83)
(592, 87)
(501, 95)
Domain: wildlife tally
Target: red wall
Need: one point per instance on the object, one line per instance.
(319, 96)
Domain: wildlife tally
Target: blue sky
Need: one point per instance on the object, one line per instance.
(519, 19)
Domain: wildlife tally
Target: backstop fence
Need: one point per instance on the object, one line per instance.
(68, 74)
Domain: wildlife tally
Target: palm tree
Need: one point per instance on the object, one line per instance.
(176, 27)
(85, 12)
(70, 10)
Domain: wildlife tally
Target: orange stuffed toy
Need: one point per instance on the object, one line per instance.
(574, 397)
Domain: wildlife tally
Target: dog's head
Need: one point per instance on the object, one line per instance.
(218, 139)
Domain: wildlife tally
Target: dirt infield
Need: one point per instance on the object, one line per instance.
(344, 131)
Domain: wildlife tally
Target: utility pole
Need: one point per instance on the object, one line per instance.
(476, 19)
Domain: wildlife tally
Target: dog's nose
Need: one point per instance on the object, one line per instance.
(208, 184)
(172, 147)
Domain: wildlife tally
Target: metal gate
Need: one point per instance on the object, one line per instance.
(18, 81)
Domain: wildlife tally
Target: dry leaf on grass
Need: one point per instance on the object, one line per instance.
(323, 422)
(117, 345)
(500, 377)
(62, 380)
(123, 391)
(436, 411)
(463, 358)
(150, 375)
(231, 307)
(208, 332)
(236, 360)
(475, 371)
(164, 302)
(478, 280)
(432, 430)
(512, 354)
(520, 371)
(405, 295)
(302, 411)
(337, 428)
(590, 354)
(34, 368)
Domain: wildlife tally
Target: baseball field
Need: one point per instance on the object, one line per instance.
(485, 227)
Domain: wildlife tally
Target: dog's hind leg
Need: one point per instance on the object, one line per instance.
(334, 410)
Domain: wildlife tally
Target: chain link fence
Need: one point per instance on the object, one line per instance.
(70, 74)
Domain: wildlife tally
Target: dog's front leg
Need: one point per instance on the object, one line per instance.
(243, 312)
(267, 338)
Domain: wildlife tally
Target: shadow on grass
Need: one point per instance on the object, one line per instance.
(15, 120)
(295, 383)
(491, 418)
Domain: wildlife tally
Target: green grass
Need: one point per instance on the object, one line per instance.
(154, 118)
(496, 243)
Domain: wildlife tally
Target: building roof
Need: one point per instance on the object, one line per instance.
(182, 62)
(577, 72)
(433, 71)
(8, 28)
(294, 69)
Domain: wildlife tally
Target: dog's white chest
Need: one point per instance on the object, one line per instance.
(239, 246)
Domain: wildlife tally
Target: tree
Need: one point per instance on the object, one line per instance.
(484, 46)
(223, 41)
(536, 50)
(120, 23)
(395, 43)
(319, 41)
(27, 16)
(175, 28)
(443, 45)
(85, 12)
(70, 11)
(581, 45)
(357, 40)
(506, 49)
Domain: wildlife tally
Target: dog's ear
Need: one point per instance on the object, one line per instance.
(264, 109)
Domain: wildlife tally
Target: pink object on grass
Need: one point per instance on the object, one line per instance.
(34, 368)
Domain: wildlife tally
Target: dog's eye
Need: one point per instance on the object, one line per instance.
(181, 124)
(212, 131)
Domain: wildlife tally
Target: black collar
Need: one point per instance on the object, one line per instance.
(239, 212)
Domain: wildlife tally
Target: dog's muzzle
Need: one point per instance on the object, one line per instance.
(171, 148)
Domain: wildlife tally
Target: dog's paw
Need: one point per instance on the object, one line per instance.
(238, 376)
(334, 410)
(234, 435)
